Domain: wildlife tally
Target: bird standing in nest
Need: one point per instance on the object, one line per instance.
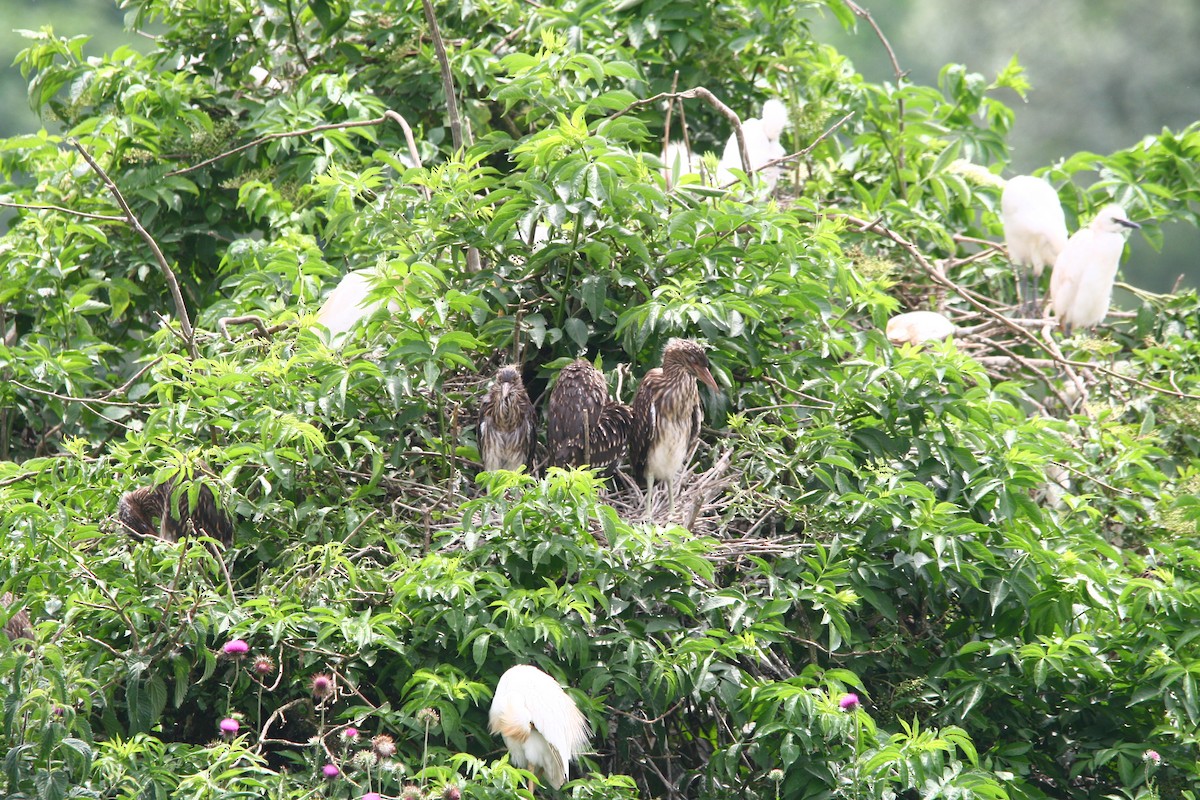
(138, 510)
(667, 415)
(541, 725)
(507, 423)
(584, 426)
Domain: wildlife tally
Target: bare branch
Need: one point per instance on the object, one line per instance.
(270, 137)
(60, 209)
(701, 93)
(260, 326)
(185, 322)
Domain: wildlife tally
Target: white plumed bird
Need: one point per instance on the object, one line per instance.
(541, 726)
(762, 145)
(1035, 232)
(347, 304)
(1082, 281)
(918, 327)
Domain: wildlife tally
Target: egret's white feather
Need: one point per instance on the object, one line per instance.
(540, 724)
(1035, 228)
(1082, 281)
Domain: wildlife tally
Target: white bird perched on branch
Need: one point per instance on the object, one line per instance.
(918, 327)
(1082, 281)
(762, 145)
(1035, 232)
(347, 304)
(541, 725)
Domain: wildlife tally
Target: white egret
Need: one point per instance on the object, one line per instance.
(918, 327)
(1082, 281)
(347, 304)
(1035, 232)
(541, 725)
(762, 145)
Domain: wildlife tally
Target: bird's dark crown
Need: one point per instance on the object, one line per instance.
(685, 351)
(508, 374)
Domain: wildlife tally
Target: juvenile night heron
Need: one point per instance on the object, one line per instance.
(507, 423)
(18, 625)
(138, 510)
(667, 415)
(583, 425)
(1035, 232)
(1082, 281)
(541, 725)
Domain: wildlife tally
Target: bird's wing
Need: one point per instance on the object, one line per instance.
(576, 404)
(610, 434)
(564, 728)
(346, 304)
(529, 423)
(1068, 270)
(645, 421)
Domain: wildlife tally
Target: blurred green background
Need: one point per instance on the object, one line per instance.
(1104, 74)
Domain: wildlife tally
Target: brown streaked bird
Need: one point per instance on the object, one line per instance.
(667, 415)
(583, 425)
(507, 423)
(18, 625)
(138, 510)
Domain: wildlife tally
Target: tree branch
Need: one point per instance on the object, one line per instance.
(701, 93)
(185, 322)
(270, 137)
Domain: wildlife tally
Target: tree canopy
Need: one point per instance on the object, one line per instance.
(961, 569)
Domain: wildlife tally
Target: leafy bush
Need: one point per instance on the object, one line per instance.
(990, 542)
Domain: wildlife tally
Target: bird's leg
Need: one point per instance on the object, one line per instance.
(649, 498)
(671, 497)
(587, 439)
(1031, 309)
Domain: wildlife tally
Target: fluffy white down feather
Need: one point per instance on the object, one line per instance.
(1035, 228)
(541, 726)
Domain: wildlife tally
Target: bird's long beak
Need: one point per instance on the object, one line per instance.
(1127, 223)
(707, 379)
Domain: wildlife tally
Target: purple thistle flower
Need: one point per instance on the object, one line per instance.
(849, 702)
(1152, 755)
(229, 726)
(322, 686)
(236, 648)
(372, 796)
(350, 733)
(330, 771)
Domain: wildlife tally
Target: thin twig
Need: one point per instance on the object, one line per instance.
(861, 12)
(185, 322)
(270, 137)
(457, 136)
(812, 146)
(439, 47)
(700, 93)
(250, 319)
(60, 209)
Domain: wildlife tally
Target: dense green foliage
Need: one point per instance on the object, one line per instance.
(993, 544)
